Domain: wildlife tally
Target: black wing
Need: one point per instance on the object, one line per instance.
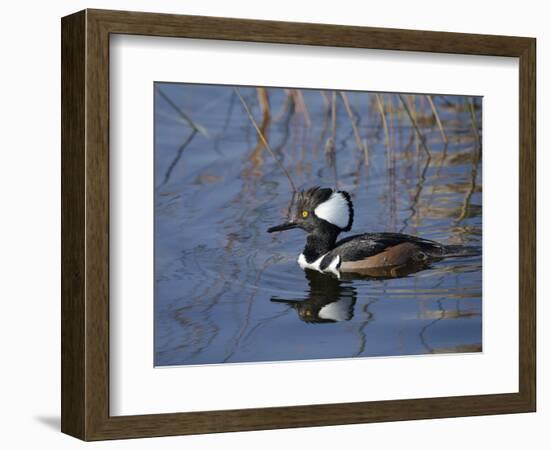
(361, 246)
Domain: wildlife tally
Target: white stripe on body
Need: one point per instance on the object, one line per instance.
(316, 265)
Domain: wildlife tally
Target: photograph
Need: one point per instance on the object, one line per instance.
(264, 226)
(294, 223)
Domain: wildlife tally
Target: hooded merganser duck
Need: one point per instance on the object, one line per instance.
(324, 213)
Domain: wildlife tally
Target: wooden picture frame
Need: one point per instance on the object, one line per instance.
(85, 224)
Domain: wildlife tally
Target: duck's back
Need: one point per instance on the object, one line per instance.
(372, 250)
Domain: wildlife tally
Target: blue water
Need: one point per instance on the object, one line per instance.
(227, 291)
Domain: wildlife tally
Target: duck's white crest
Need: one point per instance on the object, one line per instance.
(335, 210)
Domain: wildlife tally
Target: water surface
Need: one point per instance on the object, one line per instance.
(227, 291)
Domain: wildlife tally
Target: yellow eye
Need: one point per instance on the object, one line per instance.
(305, 214)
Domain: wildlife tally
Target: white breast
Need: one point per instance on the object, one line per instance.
(316, 265)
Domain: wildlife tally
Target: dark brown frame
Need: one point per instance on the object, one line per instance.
(85, 224)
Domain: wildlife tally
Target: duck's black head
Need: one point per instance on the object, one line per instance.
(320, 210)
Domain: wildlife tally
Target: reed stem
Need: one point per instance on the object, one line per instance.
(474, 121)
(264, 141)
(380, 103)
(421, 137)
(182, 113)
(437, 119)
(360, 144)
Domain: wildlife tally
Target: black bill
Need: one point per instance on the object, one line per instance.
(283, 227)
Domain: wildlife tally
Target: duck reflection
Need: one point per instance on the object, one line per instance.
(332, 298)
(329, 299)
